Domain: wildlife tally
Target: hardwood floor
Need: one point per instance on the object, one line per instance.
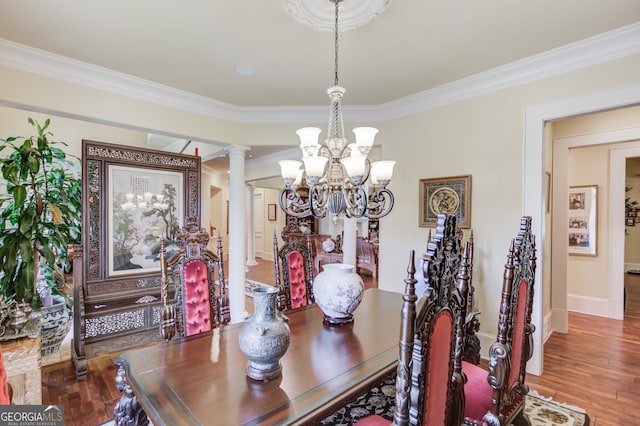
(595, 366)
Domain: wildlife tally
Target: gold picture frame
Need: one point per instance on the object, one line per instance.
(445, 195)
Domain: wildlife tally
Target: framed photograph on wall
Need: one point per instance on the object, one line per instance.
(271, 212)
(445, 195)
(583, 223)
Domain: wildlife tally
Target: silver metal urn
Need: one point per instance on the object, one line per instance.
(264, 336)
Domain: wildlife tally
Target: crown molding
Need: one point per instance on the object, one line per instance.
(619, 43)
(47, 64)
(605, 47)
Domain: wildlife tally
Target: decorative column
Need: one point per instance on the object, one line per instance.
(349, 242)
(251, 250)
(237, 232)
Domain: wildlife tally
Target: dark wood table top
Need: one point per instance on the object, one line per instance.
(201, 379)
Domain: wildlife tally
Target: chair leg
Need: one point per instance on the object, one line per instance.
(521, 419)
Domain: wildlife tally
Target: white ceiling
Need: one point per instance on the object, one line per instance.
(414, 46)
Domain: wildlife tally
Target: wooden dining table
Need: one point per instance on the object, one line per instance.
(201, 380)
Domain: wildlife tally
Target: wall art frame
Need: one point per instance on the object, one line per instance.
(448, 195)
(271, 212)
(103, 165)
(583, 220)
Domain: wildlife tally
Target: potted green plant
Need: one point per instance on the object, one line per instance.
(40, 212)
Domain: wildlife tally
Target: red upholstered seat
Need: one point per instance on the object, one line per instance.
(293, 264)
(477, 391)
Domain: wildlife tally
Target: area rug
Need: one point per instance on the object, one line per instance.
(379, 400)
(250, 285)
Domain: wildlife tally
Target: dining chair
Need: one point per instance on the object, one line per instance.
(195, 276)
(471, 348)
(429, 378)
(293, 263)
(366, 256)
(496, 397)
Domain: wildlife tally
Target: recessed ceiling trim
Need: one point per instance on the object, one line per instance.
(320, 14)
(605, 47)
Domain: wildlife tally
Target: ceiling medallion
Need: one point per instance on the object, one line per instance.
(319, 15)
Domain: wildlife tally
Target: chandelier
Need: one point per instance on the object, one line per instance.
(336, 172)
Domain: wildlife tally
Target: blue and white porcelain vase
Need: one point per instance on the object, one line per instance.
(264, 336)
(338, 292)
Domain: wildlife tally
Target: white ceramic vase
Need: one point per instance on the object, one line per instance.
(338, 292)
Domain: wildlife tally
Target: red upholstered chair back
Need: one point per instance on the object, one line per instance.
(196, 277)
(197, 309)
(514, 344)
(293, 264)
(439, 376)
(430, 383)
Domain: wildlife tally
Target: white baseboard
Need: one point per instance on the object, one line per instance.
(588, 305)
(265, 255)
(486, 340)
(630, 266)
(546, 327)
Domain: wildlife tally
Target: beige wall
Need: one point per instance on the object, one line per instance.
(482, 136)
(13, 122)
(588, 277)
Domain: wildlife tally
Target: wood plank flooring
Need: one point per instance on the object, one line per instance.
(595, 366)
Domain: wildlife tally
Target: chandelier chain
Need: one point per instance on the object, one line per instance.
(336, 45)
